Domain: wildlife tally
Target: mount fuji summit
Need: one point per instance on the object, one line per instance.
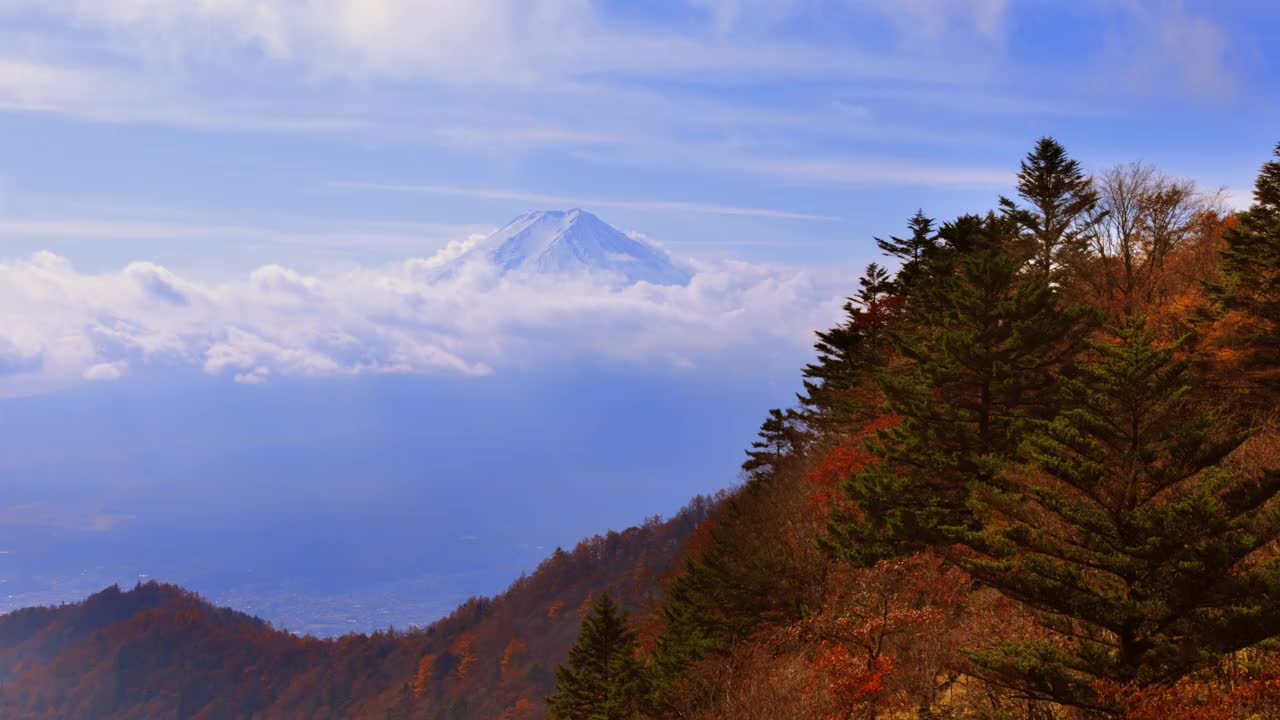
(572, 242)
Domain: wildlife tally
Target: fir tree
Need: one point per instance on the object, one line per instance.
(1061, 201)
(911, 252)
(603, 679)
(983, 353)
(755, 566)
(694, 624)
(1251, 284)
(1127, 534)
(753, 561)
(780, 437)
(849, 352)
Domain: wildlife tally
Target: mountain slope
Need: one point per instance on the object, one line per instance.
(40, 634)
(572, 242)
(157, 651)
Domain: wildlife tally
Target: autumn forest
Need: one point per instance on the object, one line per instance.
(1034, 474)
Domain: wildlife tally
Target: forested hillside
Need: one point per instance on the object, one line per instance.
(1033, 474)
(156, 651)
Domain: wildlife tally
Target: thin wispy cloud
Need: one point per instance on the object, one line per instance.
(567, 48)
(549, 200)
(134, 96)
(842, 171)
(525, 42)
(1173, 40)
(383, 237)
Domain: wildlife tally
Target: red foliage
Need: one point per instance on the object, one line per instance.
(1235, 698)
(843, 459)
(464, 649)
(422, 679)
(855, 681)
(879, 312)
(514, 650)
(891, 637)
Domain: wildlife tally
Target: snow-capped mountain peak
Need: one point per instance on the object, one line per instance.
(574, 241)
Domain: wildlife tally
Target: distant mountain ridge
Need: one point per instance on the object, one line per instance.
(570, 242)
(156, 651)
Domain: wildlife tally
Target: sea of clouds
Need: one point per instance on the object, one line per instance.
(59, 325)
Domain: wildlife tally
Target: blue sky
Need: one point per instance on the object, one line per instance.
(215, 135)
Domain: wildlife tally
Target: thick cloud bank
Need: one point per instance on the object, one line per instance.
(59, 325)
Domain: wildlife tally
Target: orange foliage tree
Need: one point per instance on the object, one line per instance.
(890, 636)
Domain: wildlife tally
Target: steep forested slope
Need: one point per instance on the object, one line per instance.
(1035, 473)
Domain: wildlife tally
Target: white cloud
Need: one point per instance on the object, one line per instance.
(1165, 47)
(106, 372)
(30, 85)
(59, 325)
(727, 15)
(502, 77)
(256, 376)
(497, 75)
(1235, 198)
(461, 43)
(453, 250)
(130, 94)
(303, 240)
(911, 17)
(934, 17)
(1199, 47)
(494, 39)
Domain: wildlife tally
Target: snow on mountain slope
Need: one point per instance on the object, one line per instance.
(554, 242)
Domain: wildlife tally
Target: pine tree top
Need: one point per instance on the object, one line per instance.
(603, 679)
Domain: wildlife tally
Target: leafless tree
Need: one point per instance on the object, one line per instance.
(1144, 215)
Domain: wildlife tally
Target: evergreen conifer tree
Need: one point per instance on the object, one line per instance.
(754, 562)
(1127, 534)
(913, 252)
(781, 436)
(849, 352)
(694, 622)
(603, 679)
(1061, 201)
(757, 564)
(1251, 283)
(984, 347)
